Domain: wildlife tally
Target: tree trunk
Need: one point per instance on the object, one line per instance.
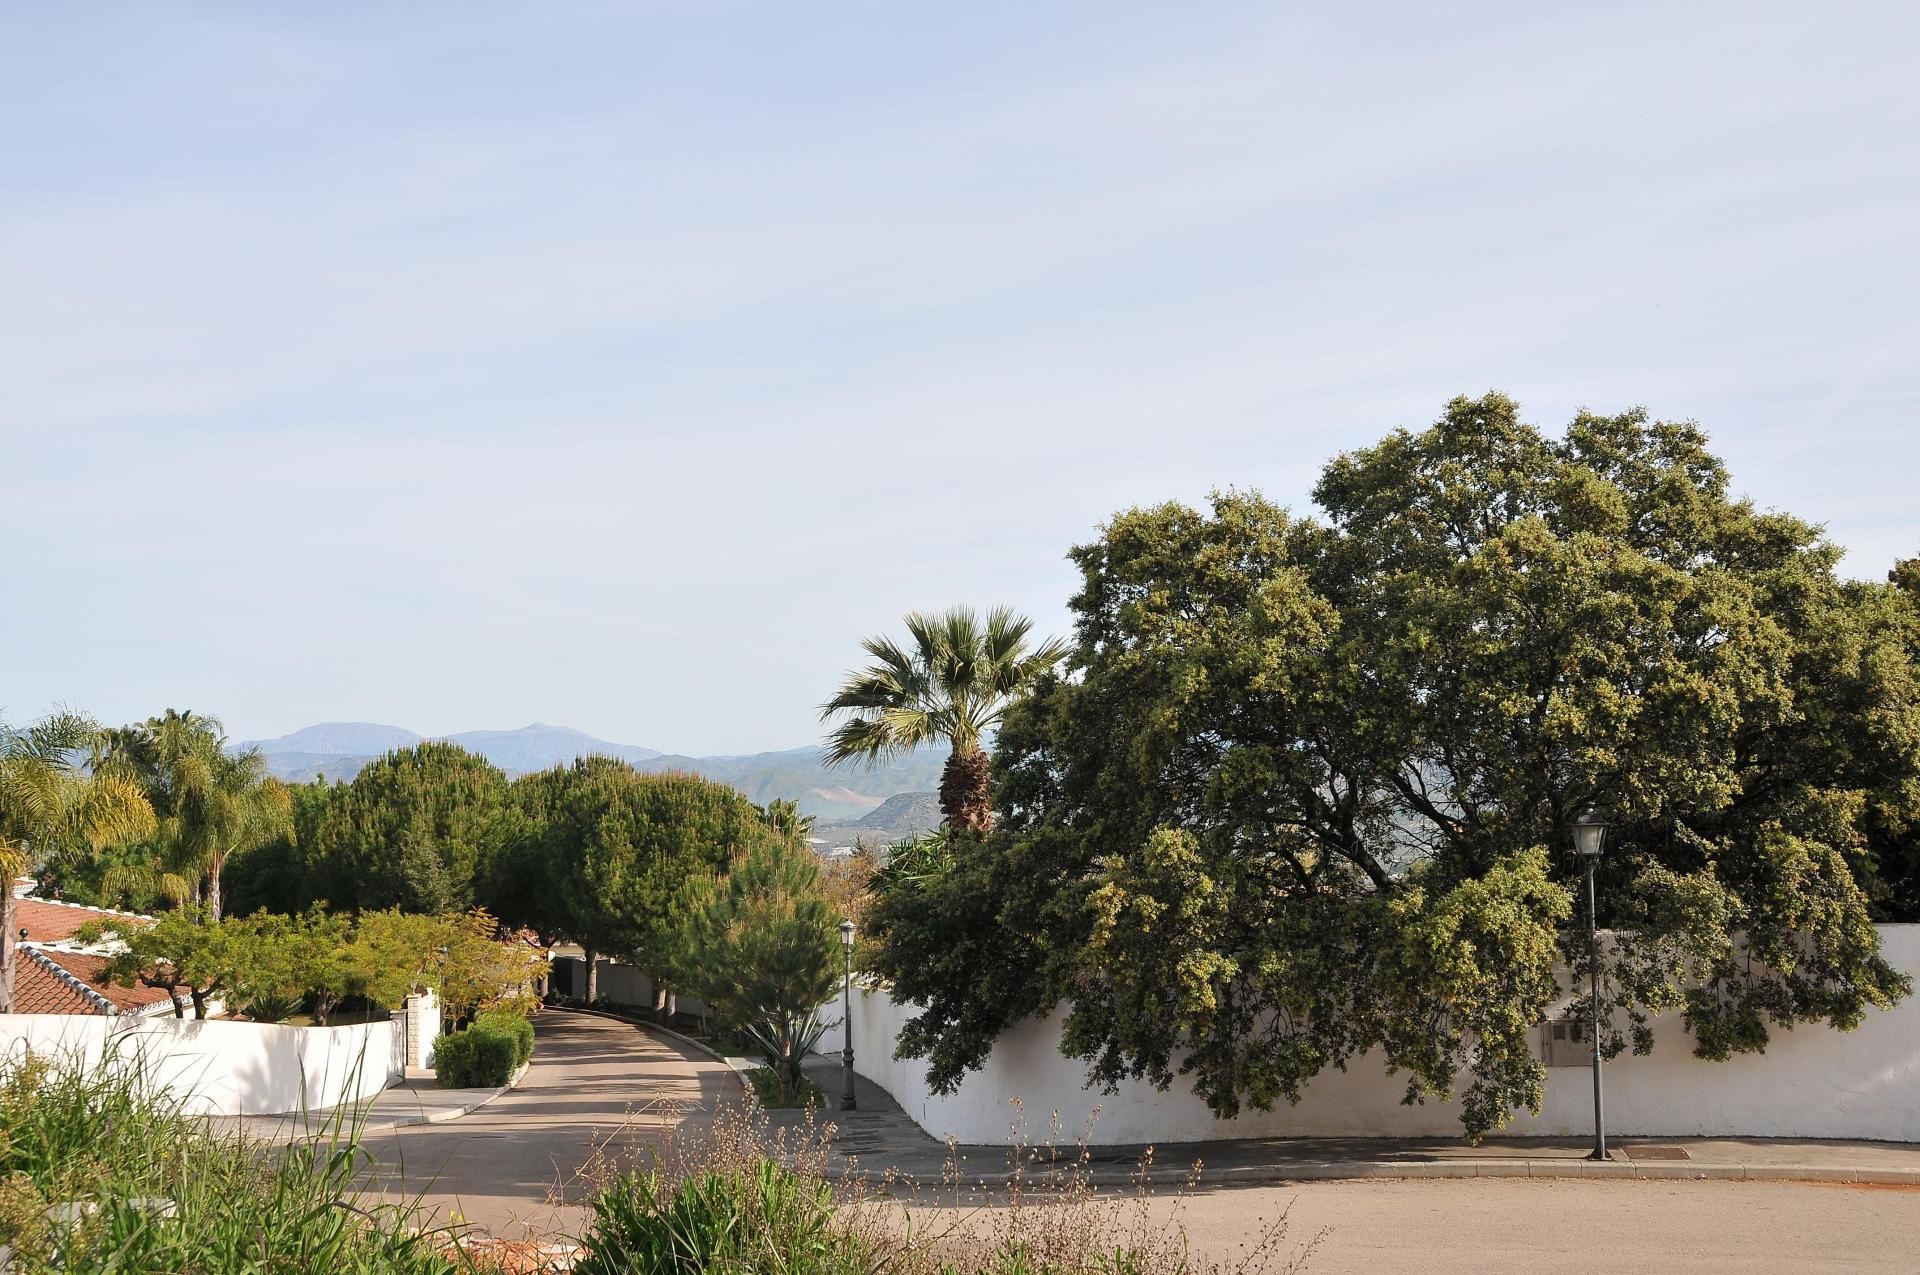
(966, 797)
(199, 995)
(213, 885)
(593, 976)
(7, 944)
(179, 1006)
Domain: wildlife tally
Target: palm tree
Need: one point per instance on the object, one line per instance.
(51, 804)
(784, 817)
(212, 802)
(951, 682)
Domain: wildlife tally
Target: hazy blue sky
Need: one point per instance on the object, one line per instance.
(620, 365)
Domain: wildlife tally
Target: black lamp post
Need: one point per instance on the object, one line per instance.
(1589, 839)
(847, 1102)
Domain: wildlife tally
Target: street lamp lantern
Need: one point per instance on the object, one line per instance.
(847, 1102)
(1589, 834)
(1589, 841)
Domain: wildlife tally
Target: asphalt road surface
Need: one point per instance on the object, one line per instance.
(511, 1167)
(1497, 1226)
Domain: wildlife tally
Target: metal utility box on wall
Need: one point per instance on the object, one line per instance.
(1565, 1043)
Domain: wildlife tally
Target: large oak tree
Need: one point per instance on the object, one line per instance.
(1302, 792)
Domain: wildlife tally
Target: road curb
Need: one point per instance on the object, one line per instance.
(1370, 1170)
(481, 1099)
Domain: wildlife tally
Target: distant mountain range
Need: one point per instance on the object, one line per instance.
(838, 794)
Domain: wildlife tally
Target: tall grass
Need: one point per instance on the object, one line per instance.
(101, 1173)
(739, 1197)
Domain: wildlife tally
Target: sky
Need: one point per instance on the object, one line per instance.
(622, 365)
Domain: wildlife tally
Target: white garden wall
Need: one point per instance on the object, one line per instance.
(1811, 1083)
(218, 1067)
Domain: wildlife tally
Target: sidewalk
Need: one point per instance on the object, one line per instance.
(880, 1138)
(415, 1100)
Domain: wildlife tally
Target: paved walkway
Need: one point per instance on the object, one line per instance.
(416, 1100)
(511, 1165)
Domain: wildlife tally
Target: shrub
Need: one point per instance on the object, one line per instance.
(511, 1024)
(477, 1058)
(766, 1089)
(761, 1218)
(272, 1008)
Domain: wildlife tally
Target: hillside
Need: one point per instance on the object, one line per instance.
(838, 794)
(835, 793)
(538, 746)
(905, 814)
(339, 739)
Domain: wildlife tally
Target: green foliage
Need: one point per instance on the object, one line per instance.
(97, 1175)
(617, 844)
(478, 1057)
(270, 962)
(1304, 790)
(761, 1219)
(54, 810)
(414, 830)
(760, 946)
(187, 953)
(950, 683)
(512, 1025)
(767, 1091)
(213, 803)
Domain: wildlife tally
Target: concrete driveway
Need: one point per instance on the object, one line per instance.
(511, 1166)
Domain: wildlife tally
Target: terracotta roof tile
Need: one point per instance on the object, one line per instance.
(48, 922)
(87, 968)
(37, 989)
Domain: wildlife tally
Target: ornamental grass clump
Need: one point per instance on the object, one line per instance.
(100, 1172)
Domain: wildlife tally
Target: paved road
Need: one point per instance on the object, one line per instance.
(510, 1166)
(1514, 1226)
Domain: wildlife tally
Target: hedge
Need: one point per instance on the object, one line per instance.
(479, 1057)
(514, 1025)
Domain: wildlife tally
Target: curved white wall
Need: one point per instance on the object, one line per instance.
(216, 1067)
(1811, 1083)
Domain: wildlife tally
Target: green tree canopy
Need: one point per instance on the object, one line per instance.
(213, 802)
(413, 830)
(1303, 790)
(617, 845)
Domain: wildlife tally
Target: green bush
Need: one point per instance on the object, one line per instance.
(477, 1058)
(511, 1024)
(760, 1218)
(766, 1088)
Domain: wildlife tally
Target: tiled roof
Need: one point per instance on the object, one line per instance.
(46, 981)
(47, 921)
(41, 986)
(86, 967)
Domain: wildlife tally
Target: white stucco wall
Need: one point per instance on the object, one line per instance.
(217, 1067)
(1811, 1083)
(624, 984)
